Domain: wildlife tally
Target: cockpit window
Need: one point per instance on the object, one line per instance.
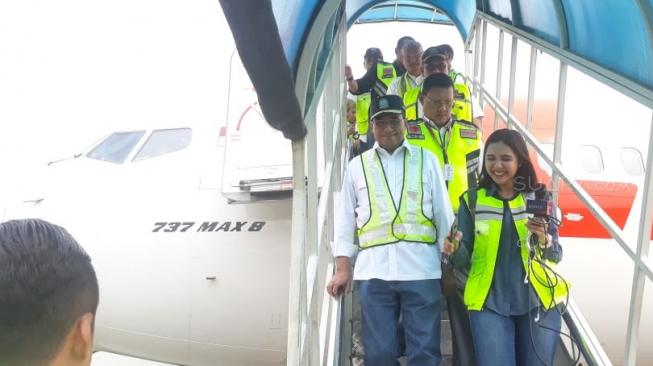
(632, 161)
(116, 147)
(164, 142)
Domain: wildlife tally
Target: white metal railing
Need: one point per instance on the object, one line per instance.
(315, 325)
(314, 319)
(642, 269)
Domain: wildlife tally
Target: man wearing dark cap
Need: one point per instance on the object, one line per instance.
(394, 198)
(435, 61)
(447, 50)
(371, 86)
(457, 145)
(377, 78)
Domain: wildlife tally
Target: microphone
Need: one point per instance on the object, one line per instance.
(542, 205)
(541, 208)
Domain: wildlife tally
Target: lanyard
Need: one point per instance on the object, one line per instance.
(440, 140)
(443, 142)
(406, 86)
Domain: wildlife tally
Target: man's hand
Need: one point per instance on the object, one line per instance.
(342, 280)
(452, 244)
(348, 73)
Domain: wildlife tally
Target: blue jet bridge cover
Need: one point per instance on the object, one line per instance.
(614, 34)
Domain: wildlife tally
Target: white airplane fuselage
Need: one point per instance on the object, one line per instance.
(185, 277)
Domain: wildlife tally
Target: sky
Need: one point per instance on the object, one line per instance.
(385, 36)
(72, 71)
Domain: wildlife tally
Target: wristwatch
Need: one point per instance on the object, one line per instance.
(350, 78)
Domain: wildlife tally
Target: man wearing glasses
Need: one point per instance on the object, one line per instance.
(394, 197)
(464, 108)
(457, 145)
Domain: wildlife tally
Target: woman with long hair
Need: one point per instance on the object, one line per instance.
(512, 292)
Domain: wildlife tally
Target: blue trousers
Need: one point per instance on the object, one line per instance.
(514, 340)
(418, 302)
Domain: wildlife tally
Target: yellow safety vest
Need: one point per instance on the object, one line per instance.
(453, 74)
(411, 99)
(387, 224)
(405, 85)
(385, 73)
(487, 228)
(462, 103)
(363, 102)
(460, 150)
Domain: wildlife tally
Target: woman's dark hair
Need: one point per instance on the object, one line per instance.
(525, 179)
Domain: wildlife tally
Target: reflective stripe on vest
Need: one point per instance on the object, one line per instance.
(386, 224)
(487, 230)
(385, 73)
(410, 103)
(363, 102)
(462, 104)
(461, 140)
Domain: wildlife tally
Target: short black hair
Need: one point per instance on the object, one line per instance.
(525, 179)
(46, 283)
(446, 49)
(403, 40)
(438, 80)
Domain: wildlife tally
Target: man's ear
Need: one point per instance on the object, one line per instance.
(81, 337)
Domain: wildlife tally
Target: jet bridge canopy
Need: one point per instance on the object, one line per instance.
(612, 35)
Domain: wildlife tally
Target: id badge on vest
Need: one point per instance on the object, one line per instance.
(448, 172)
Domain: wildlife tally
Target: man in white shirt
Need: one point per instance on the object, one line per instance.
(434, 62)
(395, 199)
(411, 57)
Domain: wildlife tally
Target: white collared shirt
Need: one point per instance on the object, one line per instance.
(393, 88)
(402, 261)
(442, 130)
